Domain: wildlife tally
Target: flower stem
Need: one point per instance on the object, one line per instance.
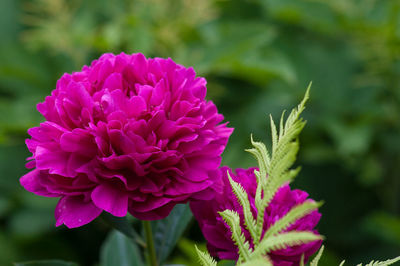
(151, 252)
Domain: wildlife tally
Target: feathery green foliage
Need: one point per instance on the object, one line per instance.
(233, 220)
(274, 171)
(283, 240)
(284, 150)
(291, 217)
(302, 260)
(242, 197)
(276, 166)
(204, 258)
(383, 263)
(260, 152)
(316, 259)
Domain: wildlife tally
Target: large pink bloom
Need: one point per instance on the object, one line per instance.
(217, 233)
(126, 134)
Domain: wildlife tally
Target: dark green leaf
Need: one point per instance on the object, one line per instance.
(119, 250)
(46, 263)
(122, 225)
(167, 231)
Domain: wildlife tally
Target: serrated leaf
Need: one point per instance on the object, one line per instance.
(316, 259)
(302, 260)
(284, 240)
(291, 217)
(204, 258)
(243, 199)
(119, 250)
(383, 263)
(233, 220)
(284, 150)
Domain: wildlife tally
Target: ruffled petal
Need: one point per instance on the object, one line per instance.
(110, 199)
(73, 211)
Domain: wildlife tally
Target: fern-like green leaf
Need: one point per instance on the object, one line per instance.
(291, 217)
(284, 150)
(295, 114)
(274, 170)
(284, 240)
(316, 259)
(204, 258)
(274, 132)
(383, 263)
(302, 260)
(233, 220)
(261, 205)
(243, 199)
(261, 154)
(284, 158)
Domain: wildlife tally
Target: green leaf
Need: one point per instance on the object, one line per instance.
(204, 258)
(383, 263)
(119, 250)
(275, 168)
(166, 232)
(316, 259)
(291, 217)
(302, 260)
(233, 220)
(46, 263)
(260, 152)
(242, 196)
(123, 226)
(284, 150)
(284, 240)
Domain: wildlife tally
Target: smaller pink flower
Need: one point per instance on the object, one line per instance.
(218, 235)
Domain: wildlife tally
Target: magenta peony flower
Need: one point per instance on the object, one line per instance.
(217, 233)
(126, 134)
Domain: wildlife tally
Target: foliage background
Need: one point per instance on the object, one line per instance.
(258, 57)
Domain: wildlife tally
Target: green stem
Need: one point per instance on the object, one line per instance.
(151, 252)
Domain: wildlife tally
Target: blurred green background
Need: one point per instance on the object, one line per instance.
(258, 57)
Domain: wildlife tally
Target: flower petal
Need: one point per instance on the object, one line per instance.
(73, 211)
(110, 199)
